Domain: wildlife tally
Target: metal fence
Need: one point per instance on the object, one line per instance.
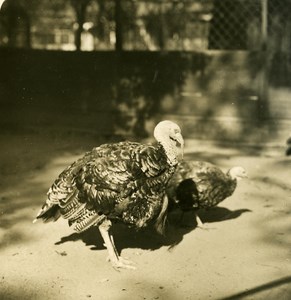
(150, 25)
(197, 25)
(207, 24)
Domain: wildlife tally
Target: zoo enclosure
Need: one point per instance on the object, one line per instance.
(228, 57)
(187, 25)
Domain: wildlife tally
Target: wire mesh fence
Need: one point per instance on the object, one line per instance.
(207, 24)
(150, 25)
(279, 25)
(197, 25)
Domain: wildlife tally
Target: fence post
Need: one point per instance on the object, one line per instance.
(263, 89)
(118, 26)
(264, 27)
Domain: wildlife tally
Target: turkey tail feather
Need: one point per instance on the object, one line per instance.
(48, 213)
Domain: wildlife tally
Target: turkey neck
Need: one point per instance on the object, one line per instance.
(232, 178)
(171, 151)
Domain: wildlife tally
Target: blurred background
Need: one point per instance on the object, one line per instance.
(78, 73)
(220, 68)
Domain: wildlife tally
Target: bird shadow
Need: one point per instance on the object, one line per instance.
(126, 237)
(218, 214)
(148, 238)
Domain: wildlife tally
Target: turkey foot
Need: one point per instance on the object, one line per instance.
(116, 260)
(202, 225)
(120, 262)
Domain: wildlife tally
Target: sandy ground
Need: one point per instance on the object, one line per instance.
(245, 253)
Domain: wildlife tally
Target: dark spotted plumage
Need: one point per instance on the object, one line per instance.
(198, 184)
(121, 181)
(124, 181)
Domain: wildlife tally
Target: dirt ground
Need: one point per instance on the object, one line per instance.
(245, 252)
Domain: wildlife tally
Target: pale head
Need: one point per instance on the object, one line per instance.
(168, 130)
(168, 134)
(237, 173)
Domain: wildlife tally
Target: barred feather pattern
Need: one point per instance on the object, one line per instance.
(211, 185)
(145, 204)
(124, 181)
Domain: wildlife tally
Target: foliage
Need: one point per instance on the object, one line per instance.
(139, 90)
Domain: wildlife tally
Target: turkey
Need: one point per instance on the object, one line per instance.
(199, 184)
(123, 181)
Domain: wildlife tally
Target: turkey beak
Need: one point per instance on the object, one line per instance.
(242, 176)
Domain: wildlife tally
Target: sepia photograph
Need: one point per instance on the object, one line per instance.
(145, 149)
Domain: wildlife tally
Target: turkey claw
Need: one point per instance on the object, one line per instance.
(204, 227)
(122, 263)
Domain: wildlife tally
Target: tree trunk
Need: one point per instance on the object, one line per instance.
(78, 34)
(118, 26)
(161, 29)
(80, 9)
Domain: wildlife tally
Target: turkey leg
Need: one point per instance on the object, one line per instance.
(116, 260)
(200, 224)
(198, 220)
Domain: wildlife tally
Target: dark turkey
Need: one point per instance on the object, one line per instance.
(199, 184)
(123, 181)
